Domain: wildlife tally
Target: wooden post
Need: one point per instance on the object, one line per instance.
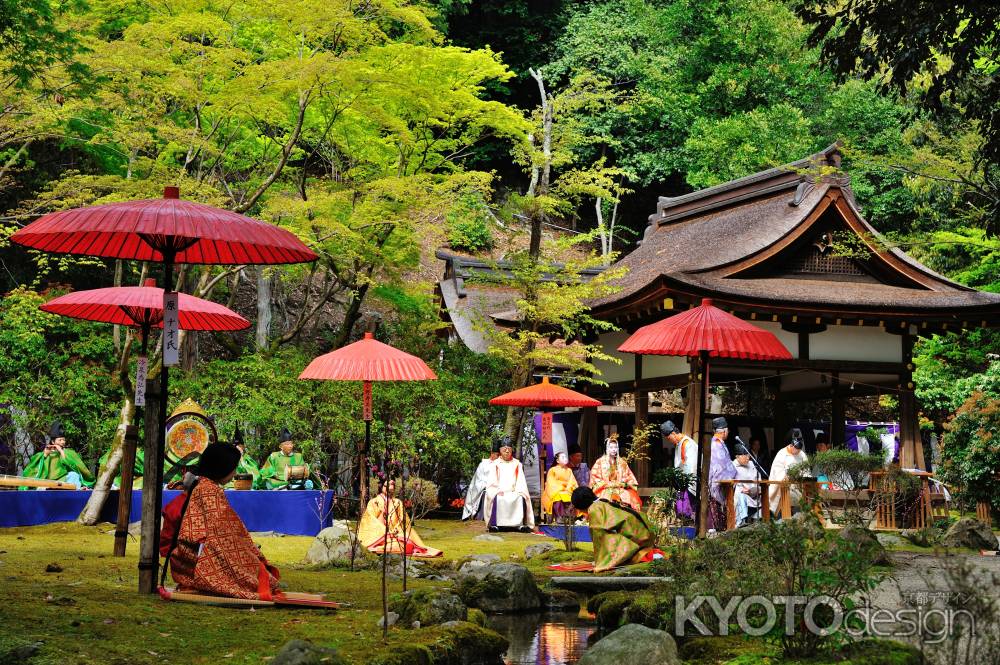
(588, 433)
(704, 447)
(125, 490)
(911, 450)
(152, 492)
(641, 417)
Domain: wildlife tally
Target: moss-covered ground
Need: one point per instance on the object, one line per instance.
(90, 612)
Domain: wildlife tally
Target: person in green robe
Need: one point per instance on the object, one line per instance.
(59, 462)
(621, 535)
(274, 473)
(137, 469)
(246, 464)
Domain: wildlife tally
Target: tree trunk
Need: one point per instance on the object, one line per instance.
(263, 307)
(95, 502)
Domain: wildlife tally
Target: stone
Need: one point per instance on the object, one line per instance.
(478, 561)
(888, 539)
(970, 533)
(428, 607)
(488, 538)
(301, 652)
(333, 545)
(414, 568)
(21, 654)
(499, 588)
(560, 599)
(537, 549)
(922, 537)
(866, 540)
(53, 568)
(392, 616)
(635, 645)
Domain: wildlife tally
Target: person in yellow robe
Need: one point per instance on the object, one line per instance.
(385, 507)
(559, 485)
(612, 479)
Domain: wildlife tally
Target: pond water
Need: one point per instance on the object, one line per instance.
(552, 638)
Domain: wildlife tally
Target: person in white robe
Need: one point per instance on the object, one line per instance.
(785, 459)
(508, 503)
(747, 497)
(476, 493)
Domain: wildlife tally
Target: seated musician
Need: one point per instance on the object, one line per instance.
(275, 473)
(247, 466)
(621, 535)
(57, 461)
(508, 503)
(559, 485)
(372, 529)
(208, 547)
(137, 469)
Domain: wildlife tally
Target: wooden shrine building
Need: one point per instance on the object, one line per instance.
(770, 248)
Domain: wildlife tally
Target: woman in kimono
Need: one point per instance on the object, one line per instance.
(559, 485)
(385, 507)
(621, 535)
(612, 479)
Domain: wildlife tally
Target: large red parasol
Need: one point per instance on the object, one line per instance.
(544, 396)
(703, 332)
(141, 307)
(170, 231)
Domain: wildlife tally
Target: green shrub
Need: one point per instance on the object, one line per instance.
(970, 457)
(469, 225)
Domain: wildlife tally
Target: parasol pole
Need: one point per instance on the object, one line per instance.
(367, 415)
(704, 451)
(128, 463)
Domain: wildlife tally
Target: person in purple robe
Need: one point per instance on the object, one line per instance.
(721, 468)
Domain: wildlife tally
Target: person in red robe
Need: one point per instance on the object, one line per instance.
(208, 546)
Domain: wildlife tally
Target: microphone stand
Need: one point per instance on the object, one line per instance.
(760, 469)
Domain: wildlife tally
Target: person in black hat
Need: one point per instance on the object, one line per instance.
(581, 470)
(275, 473)
(477, 488)
(685, 459)
(247, 466)
(721, 468)
(786, 458)
(58, 462)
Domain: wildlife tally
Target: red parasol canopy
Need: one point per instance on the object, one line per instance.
(706, 328)
(139, 305)
(143, 230)
(544, 395)
(368, 360)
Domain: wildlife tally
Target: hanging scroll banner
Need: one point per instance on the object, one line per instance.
(141, 368)
(546, 427)
(367, 400)
(171, 329)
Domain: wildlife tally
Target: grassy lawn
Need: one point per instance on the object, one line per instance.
(91, 613)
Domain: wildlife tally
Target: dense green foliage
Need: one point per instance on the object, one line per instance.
(972, 448)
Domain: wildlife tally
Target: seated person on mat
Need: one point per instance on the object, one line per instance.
(559, 485)
(246, 467)
(274, 473)
(58, 462)
(372, 529)
(208, 548)
(621, 535)
(508, 503)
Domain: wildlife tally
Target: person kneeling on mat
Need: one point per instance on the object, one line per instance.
(621, 534)
(207, 546)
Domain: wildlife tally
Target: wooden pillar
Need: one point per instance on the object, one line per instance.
(704, 445)
(641, 418)
(837, 426)
(152, 492)
(781, 419)
(911, 450)
(588, 433)
(694, 406)
(125, 490)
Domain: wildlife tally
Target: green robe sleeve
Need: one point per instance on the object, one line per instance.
(73, 462)
(618, 535)
(34, 469)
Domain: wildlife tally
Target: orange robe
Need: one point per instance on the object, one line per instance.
(215, 553)
(615, 482)
(402, 535)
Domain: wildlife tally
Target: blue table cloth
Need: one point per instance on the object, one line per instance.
(298, 513)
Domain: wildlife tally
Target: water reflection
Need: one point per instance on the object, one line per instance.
(554, 638)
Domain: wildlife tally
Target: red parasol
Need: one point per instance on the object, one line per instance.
(167, 229)
(142, 306)
(703, 332)
(545, 395)
(706, 328)
(171, 231)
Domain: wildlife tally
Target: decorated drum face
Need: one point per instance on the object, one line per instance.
(296, 472)
(188, 434)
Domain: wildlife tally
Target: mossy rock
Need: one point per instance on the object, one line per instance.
(646, 609)
(561, 556)
(477, 616)
(428, 606)
(610, 607)
(453, 643)
(560, 599)
(500, 588)
(881, 652)
(742, 650)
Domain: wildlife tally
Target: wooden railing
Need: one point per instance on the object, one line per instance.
(784, 499)
(887, 506)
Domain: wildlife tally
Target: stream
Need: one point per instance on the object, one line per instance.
(552, 638)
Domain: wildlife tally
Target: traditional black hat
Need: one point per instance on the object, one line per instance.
(719, 423)
(496, 446)
(575, 448)
(794, 438)
(583, 497)
(505, 443)
(218, 460)
(238, 436)
(284, 435)
(57, 431)
(668, 428)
